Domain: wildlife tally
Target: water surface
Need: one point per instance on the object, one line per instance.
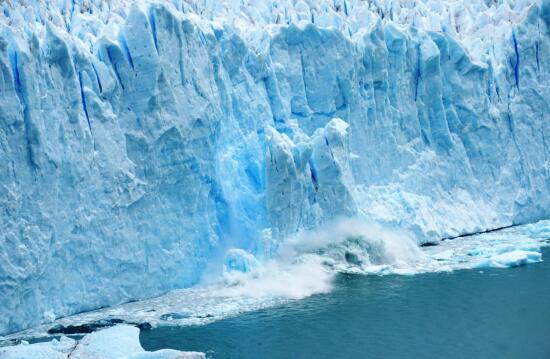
(489, 313)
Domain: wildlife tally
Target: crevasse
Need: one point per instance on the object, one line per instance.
(140, 141)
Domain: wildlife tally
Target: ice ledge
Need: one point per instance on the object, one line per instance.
(119, 342)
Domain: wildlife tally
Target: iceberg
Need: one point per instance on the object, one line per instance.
(142, 141)
(238, 260)
(119, 342)
(512, 259)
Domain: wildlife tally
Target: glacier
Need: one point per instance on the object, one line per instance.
(142, 141)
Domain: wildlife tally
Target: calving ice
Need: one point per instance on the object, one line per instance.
(142, 141)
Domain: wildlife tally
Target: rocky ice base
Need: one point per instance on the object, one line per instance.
(148, 139)
(119, 342)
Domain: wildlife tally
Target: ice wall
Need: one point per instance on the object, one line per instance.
(139, 142)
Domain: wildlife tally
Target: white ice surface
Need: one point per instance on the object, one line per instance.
(118, 342)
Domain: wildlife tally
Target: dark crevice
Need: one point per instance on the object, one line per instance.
(510, 123)
(516, 64)
(124, 44)
(342, 93)
(424, 135)
(87, 328)
(537, 49)
(537, 55)
(329, 149)
(480, 232)
(72, 14)
(203, 39)
(302, 115)
(71, 352)
(314, 179)
(85, 107)
(430, 244)
(97, 79)
(14, 59)
(152, 22)
(115, 67)
(417, 74)
(341, 107)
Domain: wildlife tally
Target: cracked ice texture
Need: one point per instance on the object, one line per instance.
(139, 142)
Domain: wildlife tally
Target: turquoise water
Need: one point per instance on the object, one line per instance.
(493, 313)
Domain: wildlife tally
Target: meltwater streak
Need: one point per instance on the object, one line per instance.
(307, 264)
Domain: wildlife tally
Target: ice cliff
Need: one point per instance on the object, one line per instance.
(140, 141)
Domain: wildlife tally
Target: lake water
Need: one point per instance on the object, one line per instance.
(489, 313)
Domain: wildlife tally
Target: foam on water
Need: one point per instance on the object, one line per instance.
(306, 276)
(306, 264)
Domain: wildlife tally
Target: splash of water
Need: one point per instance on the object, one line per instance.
(306, 263)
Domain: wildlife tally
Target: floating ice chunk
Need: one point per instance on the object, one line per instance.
(511, 259)
(239, 260)
(52, 350)
(120, 342)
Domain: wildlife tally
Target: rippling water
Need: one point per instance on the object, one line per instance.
(489, 313)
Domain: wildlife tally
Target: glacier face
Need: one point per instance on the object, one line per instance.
(140, 142)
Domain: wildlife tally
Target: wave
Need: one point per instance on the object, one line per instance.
(306, 263)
